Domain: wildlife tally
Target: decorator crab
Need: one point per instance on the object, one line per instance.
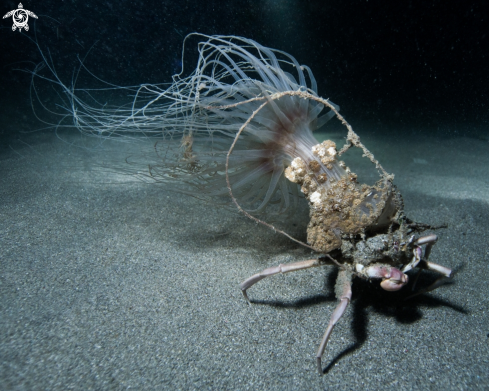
(362, 226)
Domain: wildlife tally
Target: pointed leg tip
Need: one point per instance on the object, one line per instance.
(246, 296)
(319, 365)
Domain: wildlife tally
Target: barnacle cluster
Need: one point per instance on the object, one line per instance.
(338, 204)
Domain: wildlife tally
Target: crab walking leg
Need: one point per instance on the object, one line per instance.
(416, 279)
(430, 242)
(282, 268)
(418, 254)
(444, 271)
(343, 293)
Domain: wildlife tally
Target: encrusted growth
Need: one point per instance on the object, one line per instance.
(339, 205)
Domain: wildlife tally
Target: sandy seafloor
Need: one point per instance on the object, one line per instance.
(112, 285)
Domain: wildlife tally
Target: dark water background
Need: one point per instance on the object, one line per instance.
(388, 64)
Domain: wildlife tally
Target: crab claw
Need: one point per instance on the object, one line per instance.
(392, 278)
(395, 281)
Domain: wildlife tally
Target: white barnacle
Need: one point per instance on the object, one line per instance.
(299, 166)
(318, 150)
(296, 171)
(290, 174)
(315, 199)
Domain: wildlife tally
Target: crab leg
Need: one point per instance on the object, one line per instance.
(444, 271)
(343, 293)
(426, 240)
(424, 264)
(282, 268)
(418, 254)
(429, 240)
